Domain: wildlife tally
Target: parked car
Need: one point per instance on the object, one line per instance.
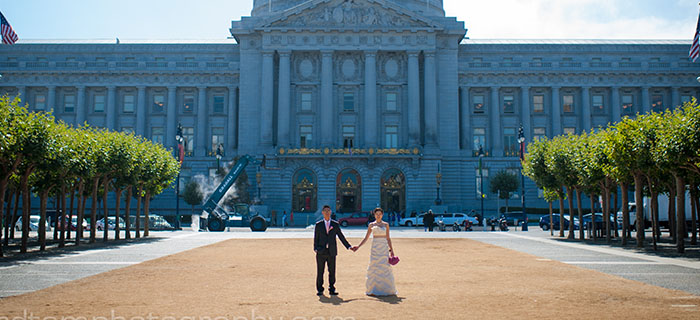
(412, 221)
(155, 222)
(33, 223)
(451, 218)
(544, 222)
(100, 224)
(73, 224)
(599, 221)
(355, 219)
(516, 215)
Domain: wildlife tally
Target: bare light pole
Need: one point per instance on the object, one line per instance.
(481, 181)
(180, 157)
(521, 141)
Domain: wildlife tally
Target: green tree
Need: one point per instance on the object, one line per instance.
(193, 195)
(503, 184)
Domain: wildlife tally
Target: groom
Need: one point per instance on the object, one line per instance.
(326, 249)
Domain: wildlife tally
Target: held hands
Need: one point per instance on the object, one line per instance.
(354, 249)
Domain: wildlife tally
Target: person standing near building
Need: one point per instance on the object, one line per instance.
(284, 219)
(428, 220)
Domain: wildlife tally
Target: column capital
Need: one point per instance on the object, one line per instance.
(429, 53)
(556, 88)
(413, 53)
(327, 53)
(51, 87)
(79, 87)
(370, 53)
(525, 88)
(141, 87)
(284, 53)
(171, 88)
(268, 53)
(232, 88)
(202, 87)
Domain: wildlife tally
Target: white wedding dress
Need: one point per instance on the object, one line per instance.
(380, 277)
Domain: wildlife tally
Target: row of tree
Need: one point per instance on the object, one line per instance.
(52, 159)
(655, 153)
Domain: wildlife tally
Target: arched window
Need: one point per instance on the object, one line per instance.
(393, 190)
(348, 186)
(304, 190)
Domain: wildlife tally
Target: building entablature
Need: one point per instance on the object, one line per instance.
(577, 79)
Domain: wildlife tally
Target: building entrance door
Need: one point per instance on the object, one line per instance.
(393, 191)
(348, 191)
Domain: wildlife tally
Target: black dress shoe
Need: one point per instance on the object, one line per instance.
(320, 293)
(333, 293)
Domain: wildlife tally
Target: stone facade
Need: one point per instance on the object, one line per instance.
(355, 103)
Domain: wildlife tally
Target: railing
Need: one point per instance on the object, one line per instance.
(569, 64)
(480, 64)
(9, 64)
(157, 64)
(187, 64)
(540, 64)
(217, 64)
(630, 64)
(37, 64)
(66, 64)
(601, 64)
(96, 64)
(659, 65)
(127, 64)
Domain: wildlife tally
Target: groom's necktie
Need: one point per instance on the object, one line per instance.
(327, 226)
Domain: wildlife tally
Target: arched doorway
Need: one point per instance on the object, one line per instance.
(304, 189)
(393, 190)
(348, 186)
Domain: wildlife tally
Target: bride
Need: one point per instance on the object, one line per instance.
(380, 278)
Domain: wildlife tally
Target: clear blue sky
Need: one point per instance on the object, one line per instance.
(211, 19)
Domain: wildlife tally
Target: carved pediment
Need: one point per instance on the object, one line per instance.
(351, 14)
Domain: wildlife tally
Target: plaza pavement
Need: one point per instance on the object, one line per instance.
(43, 271)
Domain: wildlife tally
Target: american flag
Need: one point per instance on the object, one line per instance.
(694, 49)
(8, 35)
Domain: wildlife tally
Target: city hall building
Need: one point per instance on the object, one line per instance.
(355, 103)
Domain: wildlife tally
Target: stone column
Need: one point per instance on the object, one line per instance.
(431, 116)
(22, 93)
(675, 98)
(232, 120)
(586, 108)
(51, 100)
(201, 131)
(171, 119)
(556, 112)
(80, 107)
(413, 100)
(326, 98)
(111, 118)
(284, 100)
(495, 119)
(616, 104)
(141, 107)
(370, 126)
(525, 113)
(266, 100)
(465, 121)
(646, 104)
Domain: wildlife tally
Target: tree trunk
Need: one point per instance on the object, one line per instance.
(15, 210)
(81, 211)
(694, 213)
(105, 228)
(70, 209)
(561, 216)
(638, 198)
(551, 223)
(606, 214)
(593, 227)
(617, 208)
(680, 211)
(56, 206)
(137, 225)
(26, 208)
(3, 188)
(625, 213)
(580, 214)
(672, 214)
(654, 215)
(43, 199)
(127, 218)
(570, 200)
(69, 223)
(8, 217)
(145, 214)
(93, 210)
(116, 213)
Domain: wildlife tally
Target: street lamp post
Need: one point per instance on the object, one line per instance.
(481, 181)
(219, 155)
(180, 156)
(521, 141)
(258, 179)
(438, 181)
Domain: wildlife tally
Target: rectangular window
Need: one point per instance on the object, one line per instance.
(539, 133)
(627, 104)
(157, 134)
(217, 139)
(348, 137)
(657, 102)
(69, 103)
(40, 102)
(306, 101)
(99, 103)
(188, 103)
(569, 130)
(538, 103)
(510, 147)
(686, 98)
(218, 104)
(129, 103)
(478, 103)
(391, 104)
(568, 103)
(508, 104)
(188, 134)
(348, 101)
(391, 137)
(479, 139)
(158, 103)
(128, 129)
(305, 136)
(598, 106)
(481, 176)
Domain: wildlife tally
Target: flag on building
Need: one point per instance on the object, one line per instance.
(694, 49)
(8, 35)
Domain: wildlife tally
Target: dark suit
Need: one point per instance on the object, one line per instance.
(326, 250)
